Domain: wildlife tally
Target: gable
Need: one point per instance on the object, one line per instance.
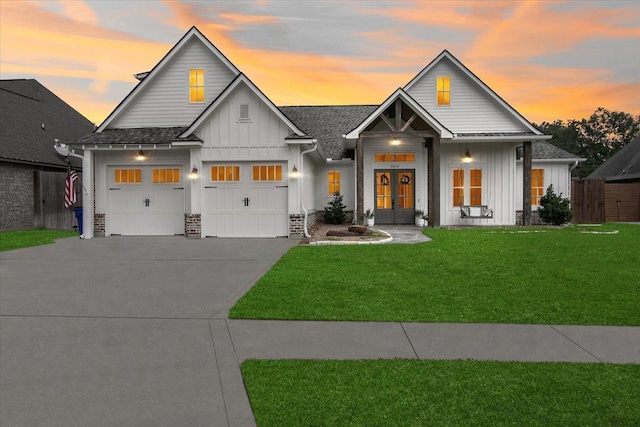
(165, 99)
(241, 124)
(472, 109)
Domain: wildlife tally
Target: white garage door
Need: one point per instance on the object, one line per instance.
(144, 201)
(245, 200)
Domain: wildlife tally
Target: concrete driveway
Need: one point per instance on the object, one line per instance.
(125, 331)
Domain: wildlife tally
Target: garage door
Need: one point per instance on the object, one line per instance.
(144, 201)
(245, 200)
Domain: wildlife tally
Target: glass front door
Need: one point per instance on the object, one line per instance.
(394, 196)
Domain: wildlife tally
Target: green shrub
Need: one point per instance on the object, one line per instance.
(554, 209)
(334, 213)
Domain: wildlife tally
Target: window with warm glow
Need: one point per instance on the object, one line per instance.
(394, 157)
(443, 90)
(458, 187)
(267, 173)
(537, 186)
(475, 187)
(334, 182)
(383, 190)
(128, 176)
(225, 173)
(196, 85)
(166, 176)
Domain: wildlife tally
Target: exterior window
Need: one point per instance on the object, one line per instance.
(537, 186)
(443, 90)
(128, 176)
(395, 157)
(196, 85)
(458, 187)
(383, 190)
(225, 173)
(267, 173)
(475, 187)
(334, 182)
(166, 176)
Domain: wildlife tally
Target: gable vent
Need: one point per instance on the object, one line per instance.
(243, 114)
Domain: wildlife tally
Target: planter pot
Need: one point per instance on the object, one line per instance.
(420, 222)
(369, 221)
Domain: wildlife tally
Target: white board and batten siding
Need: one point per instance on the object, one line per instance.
(165, 103)
(471, 109)
(497, 161)
(245, 208)
(556, 173)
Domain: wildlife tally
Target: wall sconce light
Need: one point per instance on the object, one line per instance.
(194, 173)
(395, 141)
(294, 172)
(467, 157)
(141, 156)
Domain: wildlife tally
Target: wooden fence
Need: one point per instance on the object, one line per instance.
(596, 201)
(48, 201)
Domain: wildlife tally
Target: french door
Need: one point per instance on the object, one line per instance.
(394, 196)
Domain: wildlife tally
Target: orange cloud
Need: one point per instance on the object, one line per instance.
(79, 11)
(248, 19)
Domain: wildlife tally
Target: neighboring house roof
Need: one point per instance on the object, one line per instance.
(135, 136)
(328, 123)
(622, 166)
(31, 119)
(193, 33)
(542, 150)
(508, 108)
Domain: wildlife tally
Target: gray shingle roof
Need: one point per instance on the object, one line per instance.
(622, 166)
(327, 124)
(542, 150)
(25, 105)
(150, 135)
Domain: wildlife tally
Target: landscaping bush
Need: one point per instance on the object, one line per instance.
(554, 209)
(334, 213)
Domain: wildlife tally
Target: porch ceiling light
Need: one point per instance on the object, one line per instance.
(467, 157)
(194, 173)
(294, 172)
(141, 156)
(395, 141)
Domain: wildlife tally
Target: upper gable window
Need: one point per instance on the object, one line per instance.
(196, 85)
(443, 90)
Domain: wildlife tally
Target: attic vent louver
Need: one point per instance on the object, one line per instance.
(243, 113)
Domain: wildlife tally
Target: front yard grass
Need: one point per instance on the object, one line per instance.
(469, 393)
(10, 240)
(485, 275)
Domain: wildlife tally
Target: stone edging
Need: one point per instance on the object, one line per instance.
(354, 242)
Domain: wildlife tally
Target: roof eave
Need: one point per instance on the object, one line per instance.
(502, 138)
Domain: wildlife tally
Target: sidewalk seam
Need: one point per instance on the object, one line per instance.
(578, 345)
(215, 354)
(409, 339)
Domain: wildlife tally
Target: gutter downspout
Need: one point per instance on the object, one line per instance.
(310, 150)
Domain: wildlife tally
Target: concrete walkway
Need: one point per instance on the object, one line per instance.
(134, 331)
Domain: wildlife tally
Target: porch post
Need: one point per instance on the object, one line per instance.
(359, 179)
(526, 183)
(433, 184)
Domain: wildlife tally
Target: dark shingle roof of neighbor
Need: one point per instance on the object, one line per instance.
(133, 136)
(327, 124)
(26, 105)
(622, 166)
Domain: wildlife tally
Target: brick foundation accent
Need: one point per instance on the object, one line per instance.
(296, 223)
(535, 218)
(99, 222)
(192, 226)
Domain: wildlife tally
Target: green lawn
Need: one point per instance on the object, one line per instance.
(495, 275)
(441, 393)
(24, 238)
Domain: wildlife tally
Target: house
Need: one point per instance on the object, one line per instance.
(196, 149)
(619, 178)
(32, 118)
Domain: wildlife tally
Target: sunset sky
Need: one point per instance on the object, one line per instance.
(548, 59)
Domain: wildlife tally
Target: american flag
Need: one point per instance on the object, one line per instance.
(70, 187)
